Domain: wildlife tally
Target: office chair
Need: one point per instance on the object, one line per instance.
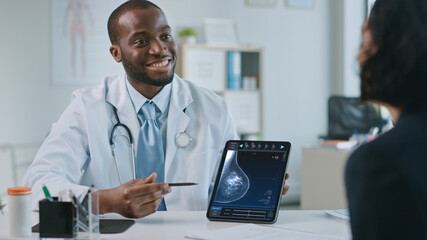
(347, 115)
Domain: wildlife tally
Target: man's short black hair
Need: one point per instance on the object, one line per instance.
(113, 20)
(397, 72)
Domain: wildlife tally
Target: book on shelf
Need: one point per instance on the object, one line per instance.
(234, 70)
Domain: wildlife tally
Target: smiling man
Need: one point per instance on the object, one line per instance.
(143, 42)
(132, 134)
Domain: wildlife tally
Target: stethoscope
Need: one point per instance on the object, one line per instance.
(182, 140)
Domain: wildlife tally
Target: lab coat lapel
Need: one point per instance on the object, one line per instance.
(117, 95)
(177, 119)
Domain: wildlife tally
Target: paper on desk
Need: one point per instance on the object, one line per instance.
(256, 232)
(339, 213)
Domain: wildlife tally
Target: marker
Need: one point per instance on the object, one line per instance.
(181, 184)
(47, 194)
(80, 207)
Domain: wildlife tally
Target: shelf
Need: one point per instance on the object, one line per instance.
(232, 71)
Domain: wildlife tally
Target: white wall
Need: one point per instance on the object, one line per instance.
(354, 14)
(298, 66)
(28, 102)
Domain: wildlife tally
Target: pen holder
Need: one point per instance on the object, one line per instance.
(57, 219)
(69, 218)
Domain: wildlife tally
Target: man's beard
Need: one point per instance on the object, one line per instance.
(143, 77)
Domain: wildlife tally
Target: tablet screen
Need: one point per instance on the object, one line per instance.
(249, 183)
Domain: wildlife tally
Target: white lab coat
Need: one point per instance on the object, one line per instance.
(80, 140)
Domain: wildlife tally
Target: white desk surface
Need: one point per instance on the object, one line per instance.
(176, 224)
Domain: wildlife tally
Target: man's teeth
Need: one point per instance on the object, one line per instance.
(162, 64)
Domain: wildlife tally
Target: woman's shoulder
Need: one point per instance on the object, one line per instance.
(374, 155)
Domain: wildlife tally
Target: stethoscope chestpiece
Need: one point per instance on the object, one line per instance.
(182, 139)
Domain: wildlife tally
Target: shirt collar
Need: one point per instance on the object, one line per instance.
(161, 99)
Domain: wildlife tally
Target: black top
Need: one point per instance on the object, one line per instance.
(386, 183)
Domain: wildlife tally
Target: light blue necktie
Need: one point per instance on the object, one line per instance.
(150, 148)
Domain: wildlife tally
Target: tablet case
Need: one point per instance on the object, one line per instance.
(249, 181)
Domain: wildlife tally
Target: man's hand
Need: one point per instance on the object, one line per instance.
(285, 186)
(134, 199)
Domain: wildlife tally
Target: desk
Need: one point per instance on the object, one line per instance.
(322, 184)
(175, 225)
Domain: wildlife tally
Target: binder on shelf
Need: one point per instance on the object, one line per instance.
(234, 70)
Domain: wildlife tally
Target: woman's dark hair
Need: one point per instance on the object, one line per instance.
(397, 72)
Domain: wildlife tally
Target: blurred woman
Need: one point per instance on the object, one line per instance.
(386, 179)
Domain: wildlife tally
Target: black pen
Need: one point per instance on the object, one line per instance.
(181, 184)
(82, 209)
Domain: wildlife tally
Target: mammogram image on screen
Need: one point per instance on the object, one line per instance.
(234, 183)
(250, 179)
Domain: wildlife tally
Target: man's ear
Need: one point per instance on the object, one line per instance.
(116, 53)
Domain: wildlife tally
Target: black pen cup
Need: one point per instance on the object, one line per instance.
(57, 219)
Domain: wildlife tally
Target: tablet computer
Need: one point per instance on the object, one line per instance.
(249, 183)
